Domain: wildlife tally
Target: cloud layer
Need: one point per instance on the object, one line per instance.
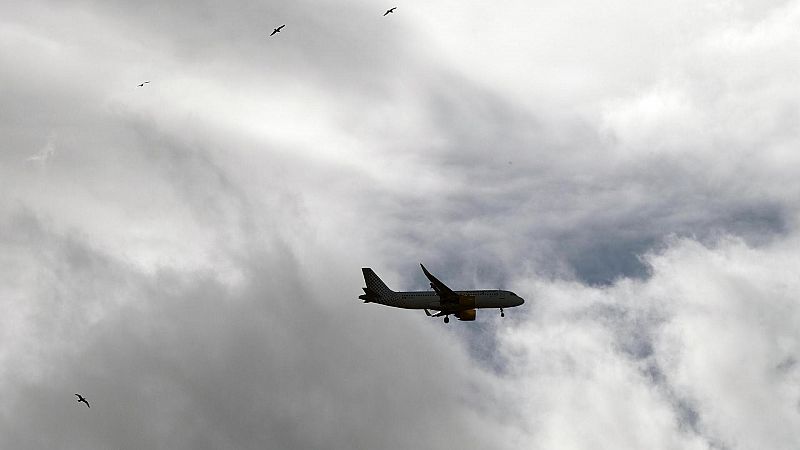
(186, 254)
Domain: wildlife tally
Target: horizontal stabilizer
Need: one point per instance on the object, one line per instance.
(369, 296)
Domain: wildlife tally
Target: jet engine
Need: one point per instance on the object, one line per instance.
(467, 315)
(466, 300)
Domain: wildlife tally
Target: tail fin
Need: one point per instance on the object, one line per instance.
(376, 289)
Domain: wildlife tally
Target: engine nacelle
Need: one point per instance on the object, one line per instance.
(466, 300)
(467, 315)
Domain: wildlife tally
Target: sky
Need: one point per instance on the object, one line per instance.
(187, 254)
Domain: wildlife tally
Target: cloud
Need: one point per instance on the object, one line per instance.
(689, 358)
(184, 360)
(189, 259)
(44, 154)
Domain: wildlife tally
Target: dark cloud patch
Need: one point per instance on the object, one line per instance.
(481, 341)
(562, 205)
(182, 360)
(636, 329)
(602, 255)
(606, 259)
(787, 365)
(690, 421)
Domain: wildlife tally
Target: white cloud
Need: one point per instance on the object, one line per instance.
(702, 353)
(195, 244)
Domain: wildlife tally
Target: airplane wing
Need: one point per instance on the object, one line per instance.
(446, 295)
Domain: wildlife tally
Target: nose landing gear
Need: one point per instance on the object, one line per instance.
(446, 319)
(502, 314)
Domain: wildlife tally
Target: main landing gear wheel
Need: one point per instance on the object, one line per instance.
(502, 314)
(446, 319)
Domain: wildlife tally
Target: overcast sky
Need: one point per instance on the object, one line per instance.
(187, 254)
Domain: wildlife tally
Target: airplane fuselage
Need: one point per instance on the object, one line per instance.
(430, 300)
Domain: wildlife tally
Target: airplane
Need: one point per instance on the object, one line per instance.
(462, 304)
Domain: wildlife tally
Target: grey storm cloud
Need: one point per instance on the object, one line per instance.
(186, 254)
(183, 361)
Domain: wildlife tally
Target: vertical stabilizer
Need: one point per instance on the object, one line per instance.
(376, 289)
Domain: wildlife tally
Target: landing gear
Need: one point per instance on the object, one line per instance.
(502, 314)
(446, 319)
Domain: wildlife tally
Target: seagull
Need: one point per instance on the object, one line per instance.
(82, 399)
(277, 30)
(142, 84)
(391, 10)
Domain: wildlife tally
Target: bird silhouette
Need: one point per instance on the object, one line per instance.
(82, 399)
(142, 84)
(277, 30)
(390, 10)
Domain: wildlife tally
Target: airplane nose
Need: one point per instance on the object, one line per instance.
(520, 300)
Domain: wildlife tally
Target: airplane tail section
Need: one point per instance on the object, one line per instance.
(376, 289)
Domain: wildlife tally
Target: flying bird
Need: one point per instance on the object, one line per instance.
(82, 399)
(142, 84)
(277, 30)
(390, 10)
